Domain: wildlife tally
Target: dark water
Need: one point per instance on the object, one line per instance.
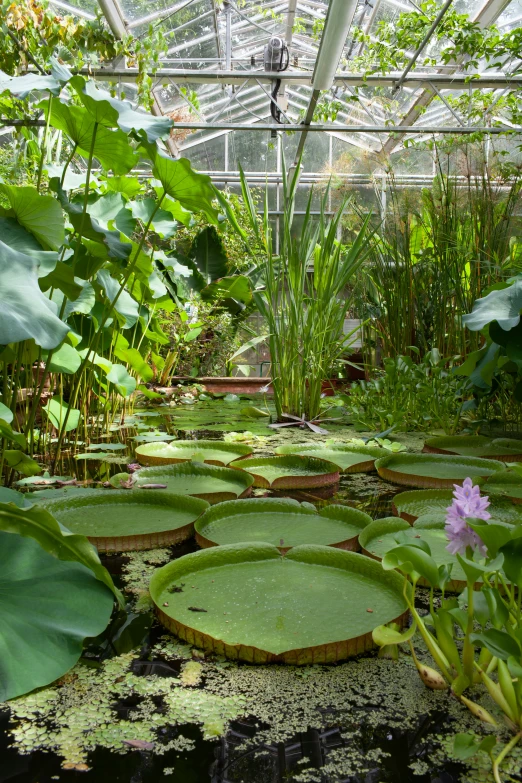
(237, 757)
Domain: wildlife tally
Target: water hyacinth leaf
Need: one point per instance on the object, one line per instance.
(499, 643)
(111, 111)
(47, 608)
(467, 745)
(111, 147)
(493, 536)
(56, 410)
(26, 312)
(503, 305)
(413, 561)
(384, 635)
(193, 191)
(498, 611)
(125, 383)
(40, 215)
(38, 524)
(21, 462)
(512, 565)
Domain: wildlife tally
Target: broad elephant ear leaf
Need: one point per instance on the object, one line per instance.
(41, 215)
(111, 147)
(38, 524)
(111, 112)
(47, 608)
(193, 191)
(209, 254)
(26, 312)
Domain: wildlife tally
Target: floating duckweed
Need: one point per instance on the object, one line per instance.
(138, 571)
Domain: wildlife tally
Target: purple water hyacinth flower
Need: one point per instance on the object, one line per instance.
(467, 504)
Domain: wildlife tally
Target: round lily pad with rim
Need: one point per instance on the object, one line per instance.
(213, 452)
(129, 520)
(289, 472)
(348, 458)
(503, 449)
(506, 484)
(207, 482)
(282, 522)
(380, 536)
(316, 604)
(419, 502)
(434, 470)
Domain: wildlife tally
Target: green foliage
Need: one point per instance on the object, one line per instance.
(408, 396)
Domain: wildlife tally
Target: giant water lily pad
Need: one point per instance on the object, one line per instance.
(289, 472)
(384, 534)
(503, 449)
(249, 603)
(434, 470)
(211, 451)
(123, 520)
(208, 482)
(282, 522)
(419, 502)
(506, 484)
(348, 458)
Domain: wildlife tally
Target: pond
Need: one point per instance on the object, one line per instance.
(165, 711)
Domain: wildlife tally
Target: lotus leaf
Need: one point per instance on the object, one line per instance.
(316, 604)
(47, 608)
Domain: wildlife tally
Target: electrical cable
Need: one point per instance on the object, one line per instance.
(274, 109)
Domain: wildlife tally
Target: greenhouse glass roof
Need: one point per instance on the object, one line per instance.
(212, 80)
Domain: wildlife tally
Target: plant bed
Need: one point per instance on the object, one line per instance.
(129, 520)
(289, 472)
(208, 482)
(434, 470)
(283, 523)
(348, 458)
(313, 605)
(503, 449)
(253, 385)
(212, 452)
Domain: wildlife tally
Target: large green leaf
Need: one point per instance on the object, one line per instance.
(7, 433)
(6, 413)
(21, 462)
(41, 215)
(26, 312)
(125, 383)
(62, 278)
(163, 223)
(111, 147)
(110, 208)
(111, 112)
(22, 86)
(47, 609)
(66, 359)
(209, 254)
(125, 305)
(38, 524)
(193, 191)
(503, 305)
(233, 293)
(56, 410)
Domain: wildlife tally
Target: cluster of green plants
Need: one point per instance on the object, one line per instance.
(485, 617)
(409, 394)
